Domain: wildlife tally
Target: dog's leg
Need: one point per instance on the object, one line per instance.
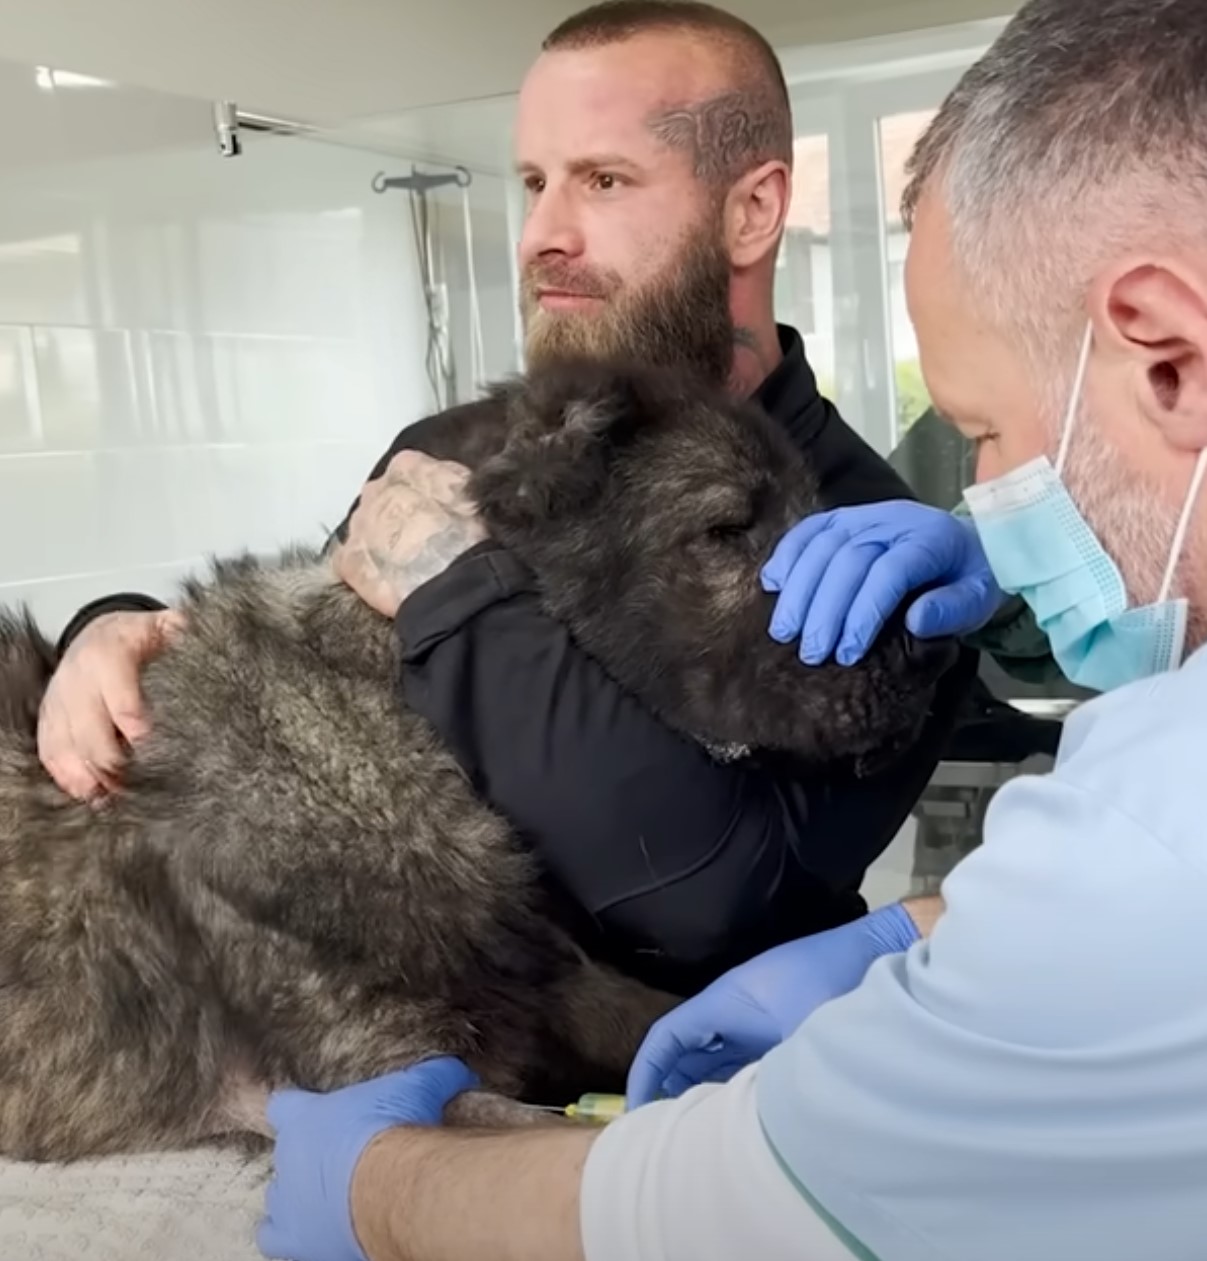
(328, 1031)
(482, 1110)
(598, 1019)
(328, 1028)
(243, 1110)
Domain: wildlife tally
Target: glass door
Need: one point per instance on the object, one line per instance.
(859, 111)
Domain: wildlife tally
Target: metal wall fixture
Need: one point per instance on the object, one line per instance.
(230, 120)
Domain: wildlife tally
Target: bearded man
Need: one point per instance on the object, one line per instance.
(655, 142)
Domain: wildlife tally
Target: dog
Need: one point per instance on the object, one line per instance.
(298, 885)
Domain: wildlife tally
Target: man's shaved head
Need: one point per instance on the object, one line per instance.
(745, 121)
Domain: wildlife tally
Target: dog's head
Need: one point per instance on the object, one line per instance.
(646, 504)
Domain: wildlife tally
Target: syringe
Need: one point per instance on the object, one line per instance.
(595, 1108)
(598, 1108)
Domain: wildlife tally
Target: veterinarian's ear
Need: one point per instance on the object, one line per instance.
(756, 211)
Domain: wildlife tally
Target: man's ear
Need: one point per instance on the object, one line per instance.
(1155, 313)
(756, 212)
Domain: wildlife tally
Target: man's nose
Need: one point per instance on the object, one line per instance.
(552, 227)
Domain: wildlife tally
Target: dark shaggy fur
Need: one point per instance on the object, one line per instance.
(299, 886)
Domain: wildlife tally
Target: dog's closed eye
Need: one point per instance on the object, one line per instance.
(728, 534)
(730, 531)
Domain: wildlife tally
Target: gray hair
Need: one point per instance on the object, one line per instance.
(1082, 131)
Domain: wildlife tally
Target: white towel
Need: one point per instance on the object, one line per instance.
(201, 1205)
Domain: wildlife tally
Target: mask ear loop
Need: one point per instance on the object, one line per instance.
(1075, 398)
(1179, 538)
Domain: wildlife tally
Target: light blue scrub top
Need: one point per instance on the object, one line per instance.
(1031, 1084)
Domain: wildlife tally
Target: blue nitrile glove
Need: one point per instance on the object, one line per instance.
(841, 574)
(319, 1140)
(752, 1009)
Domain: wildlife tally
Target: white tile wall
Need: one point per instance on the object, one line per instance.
(201, 355)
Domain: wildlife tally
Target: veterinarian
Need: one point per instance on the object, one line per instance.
(655, 141)
(1028, 1081)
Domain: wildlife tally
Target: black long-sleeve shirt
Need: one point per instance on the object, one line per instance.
(681, 866)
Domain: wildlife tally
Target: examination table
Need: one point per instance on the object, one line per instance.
(201, 1205)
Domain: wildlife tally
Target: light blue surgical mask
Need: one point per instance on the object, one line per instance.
(1041, 548)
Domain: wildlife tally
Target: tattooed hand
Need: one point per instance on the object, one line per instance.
(410, 525)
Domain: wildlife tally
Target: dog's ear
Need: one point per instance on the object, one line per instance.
(591, 417)
(566, 429)
(609, 409)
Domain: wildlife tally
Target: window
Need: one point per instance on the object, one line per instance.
(897, 135)
(804, 291)
(859, 109)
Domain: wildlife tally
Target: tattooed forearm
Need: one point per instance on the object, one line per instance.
(409, 527)
(726, 135)
(406, 567)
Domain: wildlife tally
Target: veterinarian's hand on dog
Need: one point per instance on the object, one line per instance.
(94, 700)
(841, 575)
(410, 525)
(752, 1009)
(320, 1139)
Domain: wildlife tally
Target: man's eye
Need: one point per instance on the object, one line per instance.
(605, 182)
(534, 184)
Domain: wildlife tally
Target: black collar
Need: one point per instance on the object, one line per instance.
(789, 393)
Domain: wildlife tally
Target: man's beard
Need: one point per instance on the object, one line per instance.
(1133, 521)
(679, 318)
